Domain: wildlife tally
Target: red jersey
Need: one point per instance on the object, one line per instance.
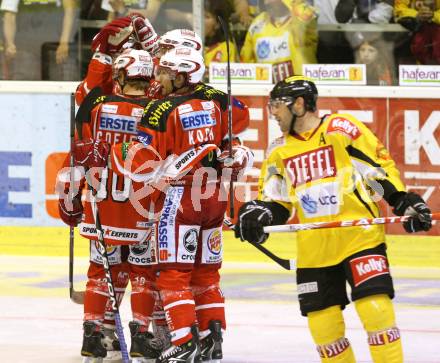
(176, 124)
(99, 74)
(123, 213)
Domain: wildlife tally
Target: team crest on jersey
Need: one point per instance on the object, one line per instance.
(196, 120)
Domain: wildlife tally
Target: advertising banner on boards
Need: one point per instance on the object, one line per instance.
(35, 140)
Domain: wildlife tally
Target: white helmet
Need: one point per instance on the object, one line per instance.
(136, 64)
(180, 38)
(184, 60)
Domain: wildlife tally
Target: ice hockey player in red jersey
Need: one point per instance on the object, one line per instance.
(130, 32)
(191, 116)
(123, 206)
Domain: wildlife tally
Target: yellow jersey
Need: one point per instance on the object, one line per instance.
(410, 8)
(217, 53)
(328, 174)
(287, 44)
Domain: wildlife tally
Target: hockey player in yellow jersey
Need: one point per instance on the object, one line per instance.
(284, 35)
(333, 168)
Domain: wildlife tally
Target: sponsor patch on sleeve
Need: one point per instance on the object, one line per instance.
(343, 126)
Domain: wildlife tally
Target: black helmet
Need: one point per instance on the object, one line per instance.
(294, 87)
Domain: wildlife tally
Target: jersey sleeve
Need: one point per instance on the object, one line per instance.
(99, 74)
(240, 116)
(273, 186)
(368, 156)
(247, 51)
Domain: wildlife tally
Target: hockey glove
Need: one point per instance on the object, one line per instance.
(90, 153)
(112, 36)
(411, 204)
(145, 33)
(252, 218)
(242, 158)
(70, 211)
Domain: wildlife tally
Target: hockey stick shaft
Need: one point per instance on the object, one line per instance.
(337, 224)
(102, 249)
(228, 82)
(284, 263)
(76, 296)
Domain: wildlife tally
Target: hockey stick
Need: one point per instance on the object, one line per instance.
(76, 296)
(228, 77)
(336, 224)
(102, 248)
(284, 263)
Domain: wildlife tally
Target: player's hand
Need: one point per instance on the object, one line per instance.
(112, 36)
(144, 33)
(412, 204)
(252, 218)
(90, 153)
(70, 210)
(242, 158)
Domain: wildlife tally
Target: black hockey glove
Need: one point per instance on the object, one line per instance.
(253, 216)
(413, 205)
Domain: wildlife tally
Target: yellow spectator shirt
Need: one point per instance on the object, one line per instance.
(217, 53)
(328, 175)
(287, 44)
(410, 8)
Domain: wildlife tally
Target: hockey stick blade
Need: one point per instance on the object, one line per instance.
(337, 224)
(77, 297)
(284, 263)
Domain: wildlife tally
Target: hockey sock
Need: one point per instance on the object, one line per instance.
(328, 331)
(178, 303)
(377, 315)
(209, 299)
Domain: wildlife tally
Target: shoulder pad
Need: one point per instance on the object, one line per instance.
(345, 125)
(208, 93)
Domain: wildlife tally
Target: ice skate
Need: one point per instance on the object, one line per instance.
(110, 341)
(92, 348)
(211, 345)
(185, 353)
(144, 348)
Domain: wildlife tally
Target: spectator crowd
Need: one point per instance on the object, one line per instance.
(50, 39)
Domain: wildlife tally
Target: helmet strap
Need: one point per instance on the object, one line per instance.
(294, 117)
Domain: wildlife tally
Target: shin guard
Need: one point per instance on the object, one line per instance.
(328, 331)
(377, 315)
